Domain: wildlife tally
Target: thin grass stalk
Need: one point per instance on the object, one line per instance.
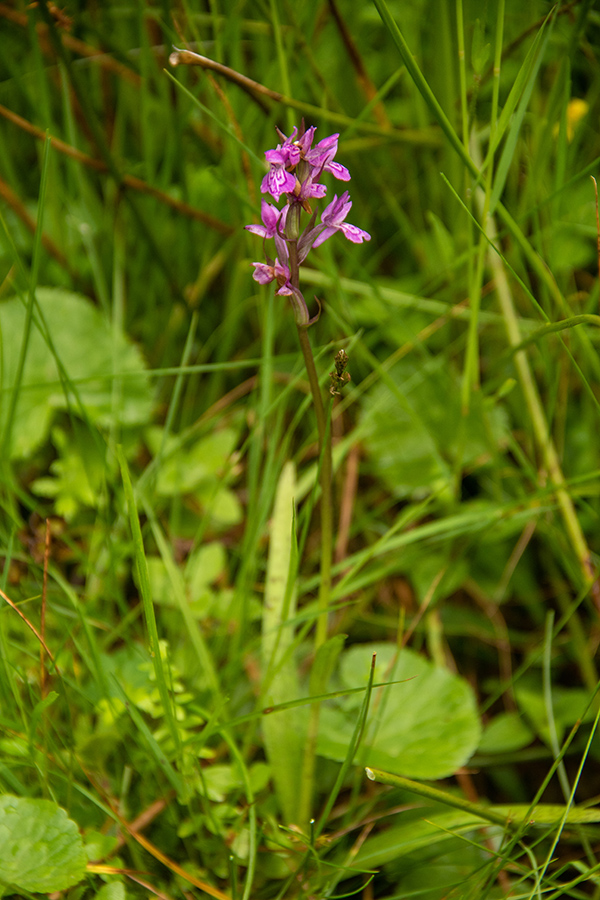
(471, 374)
(547, 686)
(357, 735)
(146, 595)
(568, 806)
(535, 409)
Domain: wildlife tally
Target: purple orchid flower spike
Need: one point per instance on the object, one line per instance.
(295, 171)
(265, 273)
(321, 158)
(278, 181)
(270, 216)
(333, 217)
(287, 152)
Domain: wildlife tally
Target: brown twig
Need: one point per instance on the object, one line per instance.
(142, 821)
(239, 134)
(364, 80)
(424, 605)
(253, 88)
(129, 181)
(103, 59)
(32, 627)
(8, 195)
(501, 641)
(172, 865)
(132, 874)
(421, 136)
(43, 611)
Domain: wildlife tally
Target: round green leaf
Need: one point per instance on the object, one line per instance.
(90, 351)
(41, 849)
(425, 727)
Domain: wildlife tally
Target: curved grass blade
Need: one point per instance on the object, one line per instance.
(283, 733)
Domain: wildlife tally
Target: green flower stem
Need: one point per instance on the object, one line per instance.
(326, 490)
(308, 767)
(326, 463)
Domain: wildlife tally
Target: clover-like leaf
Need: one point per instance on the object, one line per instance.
(41, 849)
(74, 359)
(424, 727)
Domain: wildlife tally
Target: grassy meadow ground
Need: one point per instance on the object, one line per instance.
(171, 723)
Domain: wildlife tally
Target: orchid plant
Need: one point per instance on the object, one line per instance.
(296, 170)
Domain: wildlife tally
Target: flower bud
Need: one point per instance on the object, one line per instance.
(292, 222)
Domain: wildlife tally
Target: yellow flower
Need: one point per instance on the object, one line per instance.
(576, 110)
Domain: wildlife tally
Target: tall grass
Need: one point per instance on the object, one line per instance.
(162, 690)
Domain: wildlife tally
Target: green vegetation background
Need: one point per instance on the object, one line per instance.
(156, 431)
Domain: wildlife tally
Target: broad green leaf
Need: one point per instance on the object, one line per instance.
(221, 504)
(92, 357)
(414, 428)
(41, 849)
(425, 727)
(204, 566)
(200, 468)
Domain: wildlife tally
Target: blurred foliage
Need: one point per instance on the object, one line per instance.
(129, 318)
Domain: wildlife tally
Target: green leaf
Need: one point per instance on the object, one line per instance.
(425, 727)
(415, 429)
(185, 469)
(283, 731)
(98, 845)
(113, 891)
(324, 663)
(77, 473)
(204, 567)
(433, 827)
(89, 351)
(568, 705)
(506, 733)
(414, 835)
(41, 849)
(515, 128)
